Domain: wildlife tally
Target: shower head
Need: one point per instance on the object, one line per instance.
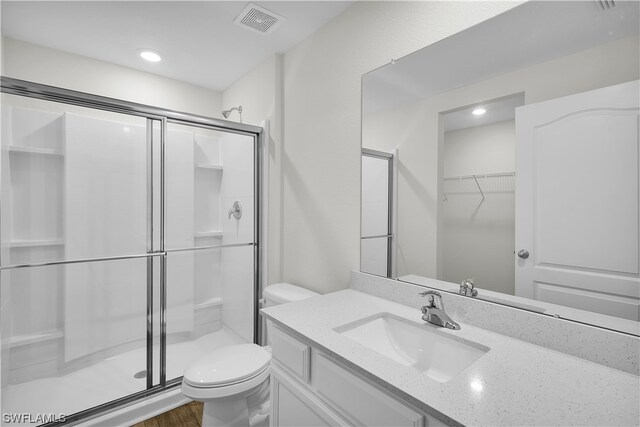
(226, 113)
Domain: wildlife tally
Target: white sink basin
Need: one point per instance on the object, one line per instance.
(422, 347)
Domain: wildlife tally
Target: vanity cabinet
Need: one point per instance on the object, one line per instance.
(310, 388)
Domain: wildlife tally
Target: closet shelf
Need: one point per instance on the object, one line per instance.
(35, 150)
(209, 166)
(478, 176)
(481, 183)
(35, 243)
(208, 234)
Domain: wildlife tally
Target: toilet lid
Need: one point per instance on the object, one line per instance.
(228, 365)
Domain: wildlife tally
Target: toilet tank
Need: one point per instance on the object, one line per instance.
(282, 293)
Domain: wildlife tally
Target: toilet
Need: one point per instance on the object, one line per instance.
(233, 382)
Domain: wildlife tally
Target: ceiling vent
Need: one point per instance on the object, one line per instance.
(258, 19)
(606, 4)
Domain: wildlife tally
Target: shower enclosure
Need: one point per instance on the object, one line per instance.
(129, 247)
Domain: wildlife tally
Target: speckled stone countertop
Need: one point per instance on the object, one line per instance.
(515, 383)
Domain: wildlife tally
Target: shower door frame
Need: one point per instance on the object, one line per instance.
(391, 159)
(164, 116)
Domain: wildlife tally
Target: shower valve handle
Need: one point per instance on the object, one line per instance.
(235, 210)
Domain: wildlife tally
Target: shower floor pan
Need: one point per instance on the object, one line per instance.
(104, 381)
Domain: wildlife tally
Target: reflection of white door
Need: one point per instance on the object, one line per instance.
(577, 212)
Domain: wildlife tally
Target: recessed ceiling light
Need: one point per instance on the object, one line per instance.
(150, 55)
(479, 111)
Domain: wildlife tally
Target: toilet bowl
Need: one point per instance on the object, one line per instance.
(226, 380)
(233, 382)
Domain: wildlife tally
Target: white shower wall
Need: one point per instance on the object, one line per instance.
(237, 263)
(104, 211)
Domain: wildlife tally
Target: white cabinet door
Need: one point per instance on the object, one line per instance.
(577, 200)
(358, 400)
(292, 405)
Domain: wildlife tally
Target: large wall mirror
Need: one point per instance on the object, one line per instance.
(516, 156)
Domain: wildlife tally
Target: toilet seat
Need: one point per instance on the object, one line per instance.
(228, 371)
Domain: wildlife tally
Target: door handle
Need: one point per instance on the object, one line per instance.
(523, 253)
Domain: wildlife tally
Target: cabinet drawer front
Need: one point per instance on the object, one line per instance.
(360, 400)
(291, 353)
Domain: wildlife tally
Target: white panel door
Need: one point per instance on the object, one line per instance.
(292, 404)
(577, 198)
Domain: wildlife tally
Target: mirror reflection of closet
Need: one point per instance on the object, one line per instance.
(477, 225)
(575, 188)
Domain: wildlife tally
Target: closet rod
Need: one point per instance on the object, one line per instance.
(485, 175)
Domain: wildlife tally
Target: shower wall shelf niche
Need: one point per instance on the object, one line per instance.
(209, 166)
(35, 243)
(33, 175)
(17, 149)
(33, 231)
(208, 234)
(207, 186)
(23, 340)
(212, 302)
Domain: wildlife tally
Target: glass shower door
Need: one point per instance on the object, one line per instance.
(74, 250)
(377, 198)
(210, 242)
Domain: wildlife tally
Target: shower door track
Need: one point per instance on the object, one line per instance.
(82, 99)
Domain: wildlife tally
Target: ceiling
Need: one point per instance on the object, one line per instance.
(528, 34)
(198, 40)
(497, 110)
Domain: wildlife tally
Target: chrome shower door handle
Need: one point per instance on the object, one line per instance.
(523, 253)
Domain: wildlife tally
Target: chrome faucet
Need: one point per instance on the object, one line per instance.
(434, 313)
(467, 288)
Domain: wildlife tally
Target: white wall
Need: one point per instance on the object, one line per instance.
(414, 130)
(39, 64)
(478, 236)
(260, 94)
(480, 150)
(321, 163)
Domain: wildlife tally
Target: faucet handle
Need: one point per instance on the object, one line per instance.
(430, 292)
(467, 288)
(432, 299)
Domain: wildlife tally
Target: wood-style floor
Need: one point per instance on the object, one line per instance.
(189, 415)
